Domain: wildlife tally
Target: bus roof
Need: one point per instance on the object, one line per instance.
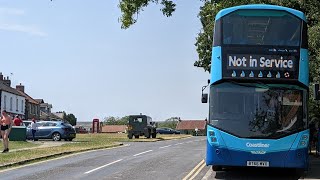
(226, 11)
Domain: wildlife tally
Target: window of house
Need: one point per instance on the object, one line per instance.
(22, 105)
(5, 102)
(17, 104)
(11, 103)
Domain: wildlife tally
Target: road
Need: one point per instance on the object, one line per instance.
(175, 159)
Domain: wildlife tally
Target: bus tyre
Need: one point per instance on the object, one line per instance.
(216, 168)
(300, 172)
(130, 136)
(136, 136)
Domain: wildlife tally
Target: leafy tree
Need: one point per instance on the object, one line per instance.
(169, 123)
(71, 119)
(116, 120)
(131, 8)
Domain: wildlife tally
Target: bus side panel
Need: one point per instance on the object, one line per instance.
(304, 67)
(216, 64)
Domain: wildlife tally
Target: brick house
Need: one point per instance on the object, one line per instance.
(114, 129)
(189, 126)
(10, 99)
(32, 108)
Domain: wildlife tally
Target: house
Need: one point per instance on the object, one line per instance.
(45, 111)
(190, 126)
(114, 129)
(32, 108)
(11, 99)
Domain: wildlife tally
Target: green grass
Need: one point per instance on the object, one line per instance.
(83, 142)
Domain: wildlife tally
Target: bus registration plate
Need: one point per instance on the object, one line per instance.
(258, 163)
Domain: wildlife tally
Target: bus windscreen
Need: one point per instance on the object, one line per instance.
(269, 27)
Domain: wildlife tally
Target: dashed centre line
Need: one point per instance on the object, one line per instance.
(142, 153)
(165, 147)
(88, 172)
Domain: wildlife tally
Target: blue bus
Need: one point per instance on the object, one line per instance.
(258, 114)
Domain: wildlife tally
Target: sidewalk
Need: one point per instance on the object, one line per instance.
(42, 144)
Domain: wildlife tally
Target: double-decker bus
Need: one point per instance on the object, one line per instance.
(259, 88)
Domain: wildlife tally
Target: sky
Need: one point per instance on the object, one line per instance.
(75, 56)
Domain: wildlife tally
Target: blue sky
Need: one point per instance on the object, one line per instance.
(74, 55)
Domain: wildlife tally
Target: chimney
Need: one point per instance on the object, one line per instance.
(20, 87)
(7, 81)
(1, 76)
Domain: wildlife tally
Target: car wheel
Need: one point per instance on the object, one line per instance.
(136, 136)
(130, 136)
(66, 139)
(70, 139)
(56, 136)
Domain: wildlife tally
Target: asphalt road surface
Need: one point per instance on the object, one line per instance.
(175, 159)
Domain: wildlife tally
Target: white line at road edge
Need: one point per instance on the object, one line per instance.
(103, 166)
(142, 153)
(165, 147)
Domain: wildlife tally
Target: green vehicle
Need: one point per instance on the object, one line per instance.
(141, 125)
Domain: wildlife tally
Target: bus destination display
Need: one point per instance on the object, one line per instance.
(260, 66)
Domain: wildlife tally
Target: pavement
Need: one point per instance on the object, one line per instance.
(174, 159)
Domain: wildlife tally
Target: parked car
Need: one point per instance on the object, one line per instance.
(167, 131)
(81, 130)
(55, 130)
(26, 123)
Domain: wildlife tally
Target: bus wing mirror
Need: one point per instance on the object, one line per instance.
(316, 92)
(204, 98)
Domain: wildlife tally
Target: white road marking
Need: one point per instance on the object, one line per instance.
(178, 144)
(208, 174)
(142, 153)
(165, 147)
(103, 166)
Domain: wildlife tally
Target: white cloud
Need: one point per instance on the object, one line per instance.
(11, 11)
(23, 28)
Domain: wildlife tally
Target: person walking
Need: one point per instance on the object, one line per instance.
(34, 128)
(6, 124)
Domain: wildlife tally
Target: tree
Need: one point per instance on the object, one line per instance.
(116, 120)
(71, 119)
(170, 123)
(131, 8)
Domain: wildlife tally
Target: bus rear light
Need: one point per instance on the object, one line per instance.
(304, 141)
(214, 139)
(302, 144)
(211, 133)
(305, 137)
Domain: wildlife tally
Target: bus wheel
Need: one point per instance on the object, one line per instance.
(216, 168)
